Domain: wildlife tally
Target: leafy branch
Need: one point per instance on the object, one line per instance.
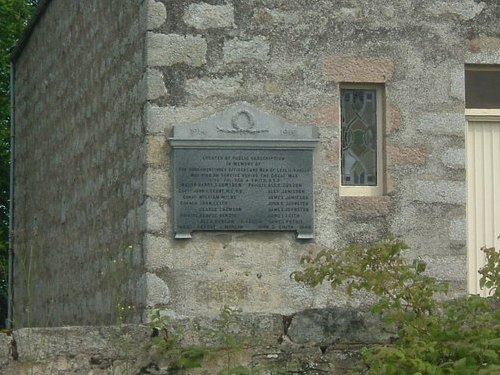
(434, 335)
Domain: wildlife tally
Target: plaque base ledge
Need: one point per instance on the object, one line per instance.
(305, 236)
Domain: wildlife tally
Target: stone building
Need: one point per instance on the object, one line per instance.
(100, 85)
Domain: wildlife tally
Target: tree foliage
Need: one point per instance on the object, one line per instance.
(14, 15)
(435, 336)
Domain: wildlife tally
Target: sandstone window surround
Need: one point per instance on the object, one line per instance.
(361, 129)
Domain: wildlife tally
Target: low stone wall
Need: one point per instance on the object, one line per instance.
(315, 341)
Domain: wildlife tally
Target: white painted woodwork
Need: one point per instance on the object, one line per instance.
(483, 184)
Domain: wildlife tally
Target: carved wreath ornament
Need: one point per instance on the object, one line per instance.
(242, 122)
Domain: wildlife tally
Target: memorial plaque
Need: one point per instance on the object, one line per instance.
(243, 170)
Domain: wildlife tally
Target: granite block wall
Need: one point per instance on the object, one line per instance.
(93, 162)
(79, 164)
(310, 342)
(288, 58)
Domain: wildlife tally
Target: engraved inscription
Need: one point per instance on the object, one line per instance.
(288, 132)
(243, 190)
(243, 169)
(197, 131)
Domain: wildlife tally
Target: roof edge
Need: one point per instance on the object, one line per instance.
(25, 36)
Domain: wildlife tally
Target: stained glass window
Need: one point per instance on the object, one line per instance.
(359, 137)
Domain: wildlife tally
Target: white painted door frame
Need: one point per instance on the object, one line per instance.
(483, 189)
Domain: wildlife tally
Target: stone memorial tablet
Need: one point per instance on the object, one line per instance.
(243, 170)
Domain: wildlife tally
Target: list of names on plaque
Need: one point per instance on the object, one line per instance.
(230, 189)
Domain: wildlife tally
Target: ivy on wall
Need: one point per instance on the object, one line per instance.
(14, 16)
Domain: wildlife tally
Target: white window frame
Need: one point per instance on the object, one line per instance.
(376, 190)
(482, 114)
(474, 262)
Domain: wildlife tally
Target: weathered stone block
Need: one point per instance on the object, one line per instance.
(405, 155)
(394, 118)
(34, 344)
(450, 192)
(255, 330)
(358, 69)
(458, 230)
(332, 326)
(170, 49)
(156, 183)
(454, 158)
(156, 150)
(154, 84)
(333, 153)
(155, 218)
(161, 119)
(274, 16)
(204, 16)
(484, 44)
(239, 51)
(328, 115)
(203, 89)
(348, 13)
(156, 14)
(449, 268)
(155, 118)
(153, 290)
(365, 207)
(156, 257)
(442, 124)
(465, 9)
(5, 348)
(457, 85)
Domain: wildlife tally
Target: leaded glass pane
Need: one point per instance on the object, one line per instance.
(359, 137)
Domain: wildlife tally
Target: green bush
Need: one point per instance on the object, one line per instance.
(165, 342)
(224, 340)
(435, 335)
